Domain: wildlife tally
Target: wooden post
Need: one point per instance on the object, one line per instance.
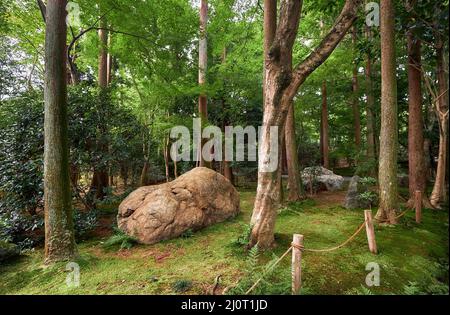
(418, 206)
(370, 231)
(297, 263)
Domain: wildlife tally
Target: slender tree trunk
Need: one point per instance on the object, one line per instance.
(281, 85)
(370, 119)
(389, 127)
(144, 174)
(416, 154)
(270, 27)
(324, 130)
(294, 180)
(355, 99)
(439, 191)
(166, 158)
(202, 66)
(59, 233)
(100, 176)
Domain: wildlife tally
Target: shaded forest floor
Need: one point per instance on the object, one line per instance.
(413, 258)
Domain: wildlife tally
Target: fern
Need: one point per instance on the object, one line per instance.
(120, 239)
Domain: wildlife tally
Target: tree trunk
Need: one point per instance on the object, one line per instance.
(439, 191)
(294, 180)
(416, 154)
(100, 177)
(324, 130)
(144, 174)
(355, 99)
(389, 127)
(103, 56)
(270, 27)
(370, 119)
(59, 233)
(202, 66)
(281, 85)
(166, 158)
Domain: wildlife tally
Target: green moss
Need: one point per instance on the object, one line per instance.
(407, 253)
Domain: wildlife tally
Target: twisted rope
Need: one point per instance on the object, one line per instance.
(339, 246)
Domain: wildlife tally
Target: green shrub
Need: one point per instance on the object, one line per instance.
(181, 286)
(120, 240)
(8, 251)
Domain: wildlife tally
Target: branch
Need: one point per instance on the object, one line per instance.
(286, 32)
(43, 9)
(326, 47)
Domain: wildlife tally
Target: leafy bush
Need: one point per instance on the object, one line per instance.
(84, 222)
(244, 238)
(8, 251)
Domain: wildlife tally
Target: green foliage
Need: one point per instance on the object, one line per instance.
(8, 251)
(244, 238)
(84, 222)
(188, 233)
(361, 290)
(181, 286)
(119, 240)
(273, 278)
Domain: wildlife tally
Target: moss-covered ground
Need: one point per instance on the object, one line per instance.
(413, 258)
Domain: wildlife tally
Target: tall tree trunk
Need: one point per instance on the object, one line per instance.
(416, 154)
(100, 176)
(226, 167)
(202, 66)
(143, 180)
(59, 233)
(294, 180)
(324, 130)
(281, 85)
(370, 118)
(355, 98)
(270, 27)
(166, 158)
(389, 127)
(439, 191)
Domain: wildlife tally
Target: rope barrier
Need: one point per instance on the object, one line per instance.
(339, 246)
(302, 248)
(275, 263)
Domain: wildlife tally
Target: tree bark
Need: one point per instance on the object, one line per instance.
(389, 126)
(202, 66)
(439, 191)
(59, 233)
(281, 85)
(100, 177)
(370, 119)
(416, 154)
(294, 180)
(270, 27)
(324, 126)
(355, 98)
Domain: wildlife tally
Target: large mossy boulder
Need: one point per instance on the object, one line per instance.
(196, 199)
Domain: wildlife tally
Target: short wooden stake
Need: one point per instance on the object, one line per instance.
(297, 263)
(418, 206)
(370, 231)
